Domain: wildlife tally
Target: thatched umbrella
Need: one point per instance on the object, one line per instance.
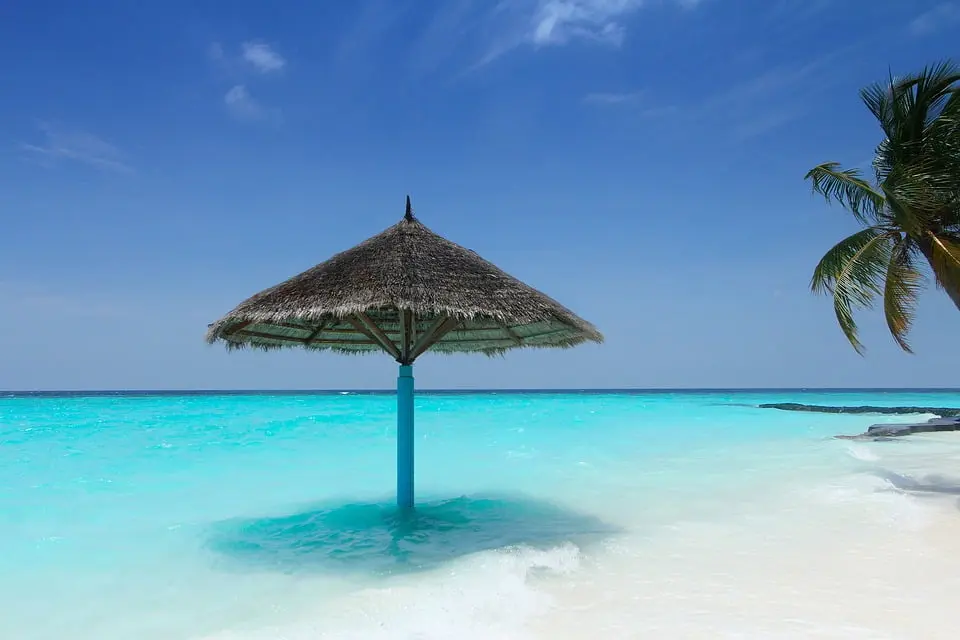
(403, 291)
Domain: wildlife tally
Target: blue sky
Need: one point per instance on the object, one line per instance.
(641, 161)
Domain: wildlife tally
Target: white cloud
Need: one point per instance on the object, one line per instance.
(244, 106)
(78, 146)
(942, 15)
(241, 68)
(241, 104)
(560, 21)
(262, 57)
(545, 23)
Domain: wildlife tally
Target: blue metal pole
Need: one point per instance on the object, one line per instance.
(405, 437)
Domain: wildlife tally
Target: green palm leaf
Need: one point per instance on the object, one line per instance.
(849, 189)
(911, 207)
(853, 271)
(930, 90)
(913, 112)
(901, 289)
(945, 260)
(832, 264)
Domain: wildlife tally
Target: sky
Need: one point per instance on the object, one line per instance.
(641, 161)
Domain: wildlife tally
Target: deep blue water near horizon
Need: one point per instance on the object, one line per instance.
(197, 514)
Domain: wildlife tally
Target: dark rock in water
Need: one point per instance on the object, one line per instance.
(930, 426)
(888, 431)
(949, 419)
(943, 412)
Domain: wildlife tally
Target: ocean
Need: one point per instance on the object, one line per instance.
(540, 515)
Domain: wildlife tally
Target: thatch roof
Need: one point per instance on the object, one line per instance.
(403, 291)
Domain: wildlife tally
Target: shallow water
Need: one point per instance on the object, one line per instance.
(680, 515)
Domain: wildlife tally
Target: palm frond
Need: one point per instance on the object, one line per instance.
(932, 88)
(847, 187)
(912, 203)
(945, 260)
(912, 111)
(831, 265)
(878, 99)
(853, 271)
(949, 115)
(901, 289)
(881, 98)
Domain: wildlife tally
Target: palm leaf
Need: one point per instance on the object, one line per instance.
(912, 205)
(931, 89)
(877, 97)
(912, 111)
(849, 189)
(880, 98)
(901, 289)
(831, 265)
(949, 115)
(945, 260)
(853, 271)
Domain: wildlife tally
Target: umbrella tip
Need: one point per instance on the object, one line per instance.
(408, 215)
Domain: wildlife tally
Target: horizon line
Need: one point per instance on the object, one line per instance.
(465, 390)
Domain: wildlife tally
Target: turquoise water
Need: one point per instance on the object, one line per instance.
(241, 516)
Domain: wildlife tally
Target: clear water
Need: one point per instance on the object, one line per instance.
(680, 515)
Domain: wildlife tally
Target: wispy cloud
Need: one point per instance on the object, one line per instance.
(60, 144)
(763, 122)
(602, 98)
(252, 59)
(443, 35)
(763, 103)
(41, 300)
(940, 17)
(768, 101)
(470, 34)
(783, 94)
(560, 21)
(242, 106)
(216, 53)
(744, 108)
(767, 85)
(545, 23)
(633, 103)
(262, 57)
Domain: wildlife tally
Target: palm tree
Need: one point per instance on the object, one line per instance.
(911, 212)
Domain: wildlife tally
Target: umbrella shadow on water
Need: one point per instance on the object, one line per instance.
(381, 539)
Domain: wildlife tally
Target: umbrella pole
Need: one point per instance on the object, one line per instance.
(405, 437)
